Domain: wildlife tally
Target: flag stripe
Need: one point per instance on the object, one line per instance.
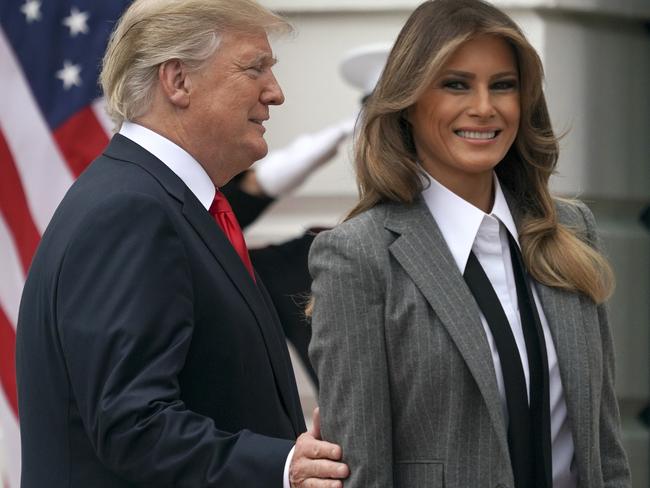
(11, 273)
(13, 206)
(81, 139)
(9, 443)
(7, 361)
(51, 126)
(44, 173)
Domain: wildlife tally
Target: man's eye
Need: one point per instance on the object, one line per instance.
(256, 70)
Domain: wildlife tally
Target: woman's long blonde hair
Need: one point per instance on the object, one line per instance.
(386, 160)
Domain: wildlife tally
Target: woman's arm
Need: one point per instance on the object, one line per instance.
(616, 471)
(615, 467)
(348, 352)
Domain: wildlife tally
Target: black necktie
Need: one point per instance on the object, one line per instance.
(529, 430)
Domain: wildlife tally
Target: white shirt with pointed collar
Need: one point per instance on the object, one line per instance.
(193, 175)
(466, 228)
(175, 158)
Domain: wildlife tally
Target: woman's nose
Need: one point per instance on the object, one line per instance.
(482, 104)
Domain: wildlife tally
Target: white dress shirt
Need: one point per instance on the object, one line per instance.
(466, 228)
(193, 175)
(175, 158)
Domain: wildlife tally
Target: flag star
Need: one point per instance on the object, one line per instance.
(32, 10)
(77, 21)
(69, 74)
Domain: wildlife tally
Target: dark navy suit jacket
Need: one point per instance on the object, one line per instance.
(146, 354)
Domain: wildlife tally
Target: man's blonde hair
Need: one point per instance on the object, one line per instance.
(152, 32)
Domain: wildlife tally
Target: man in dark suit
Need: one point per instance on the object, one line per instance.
(148, 351)
(282, 267)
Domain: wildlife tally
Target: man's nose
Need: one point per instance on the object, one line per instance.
(272, 94)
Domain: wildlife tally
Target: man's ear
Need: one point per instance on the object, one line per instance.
(175, 82)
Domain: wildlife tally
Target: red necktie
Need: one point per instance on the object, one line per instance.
(223, 214)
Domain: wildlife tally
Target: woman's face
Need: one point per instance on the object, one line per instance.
(466, 121)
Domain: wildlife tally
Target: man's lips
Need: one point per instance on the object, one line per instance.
(259, 122)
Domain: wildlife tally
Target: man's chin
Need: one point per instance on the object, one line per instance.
(261, 151)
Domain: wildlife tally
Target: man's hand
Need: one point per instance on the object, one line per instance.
(314, 463)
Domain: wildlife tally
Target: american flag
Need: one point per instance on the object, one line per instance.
(52, 124)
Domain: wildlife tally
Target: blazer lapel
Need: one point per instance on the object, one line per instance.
(231, 263)
(220, 247)
(423, 253)
(566, 323)
(562, 310)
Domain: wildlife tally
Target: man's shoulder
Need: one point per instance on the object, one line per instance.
(107, 177)
(107, 184)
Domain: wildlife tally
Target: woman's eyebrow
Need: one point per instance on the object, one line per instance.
(470, 76)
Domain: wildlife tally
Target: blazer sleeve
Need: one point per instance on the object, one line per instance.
(125, 314)
(614, 463)
(348, 354)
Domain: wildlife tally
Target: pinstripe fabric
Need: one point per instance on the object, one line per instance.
(407, 381)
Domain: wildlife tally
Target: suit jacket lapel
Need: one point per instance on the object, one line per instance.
(231, 263)
(220, 247)
(423, 253)
(562, 310)
(199, 218)
(563, 314)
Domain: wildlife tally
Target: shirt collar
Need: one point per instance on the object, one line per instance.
(175, 158)
(459, 220)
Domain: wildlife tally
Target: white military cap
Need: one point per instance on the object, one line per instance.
(361, 67)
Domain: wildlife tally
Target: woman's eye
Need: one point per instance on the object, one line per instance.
(504, 85)
(454, 85)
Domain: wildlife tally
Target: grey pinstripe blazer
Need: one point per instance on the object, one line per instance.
(407, 383)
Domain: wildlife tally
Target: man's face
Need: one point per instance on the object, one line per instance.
(229, 101)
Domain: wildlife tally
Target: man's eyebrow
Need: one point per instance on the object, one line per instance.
(265, 59)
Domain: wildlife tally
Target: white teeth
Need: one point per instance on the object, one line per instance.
(470, 134)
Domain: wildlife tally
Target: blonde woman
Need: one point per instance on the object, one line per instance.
(459, 327)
